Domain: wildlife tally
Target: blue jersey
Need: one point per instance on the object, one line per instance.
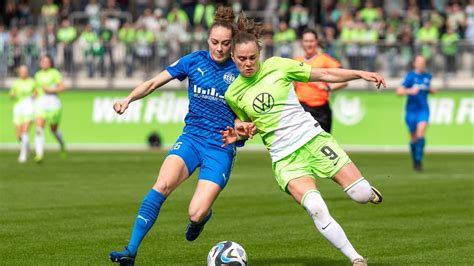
(419, 101)
(207, 83)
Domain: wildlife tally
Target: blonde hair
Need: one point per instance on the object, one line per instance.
(248, 31)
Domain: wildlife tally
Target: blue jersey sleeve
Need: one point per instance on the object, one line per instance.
(180, 68)
(408, 82)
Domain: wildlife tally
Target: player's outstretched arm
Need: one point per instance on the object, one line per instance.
(335, 75)
(402, 91)
(143, 90)
(338, 86)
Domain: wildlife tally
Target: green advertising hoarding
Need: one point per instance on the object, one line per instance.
(362, 119)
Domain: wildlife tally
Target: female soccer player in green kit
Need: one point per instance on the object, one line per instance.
(22, 92)
(299, 148)
(49, 83)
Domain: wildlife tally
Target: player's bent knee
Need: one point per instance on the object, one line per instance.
(163, 187)
(360, 191)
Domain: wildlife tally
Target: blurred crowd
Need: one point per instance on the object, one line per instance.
(105, 36)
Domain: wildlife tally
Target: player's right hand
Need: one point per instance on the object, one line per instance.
(229, 136)
(120, 106)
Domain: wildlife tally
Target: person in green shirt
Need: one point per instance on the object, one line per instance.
(49, 82)
(300, 149)
(22, 92)
(449, 48)
(128, 36)
(66, 36)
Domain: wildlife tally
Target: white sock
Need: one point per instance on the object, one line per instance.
(326, 225)
(59, 137)
(23, 147)
(39, 141)
(360, 191)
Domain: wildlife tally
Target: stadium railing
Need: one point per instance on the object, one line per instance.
(124, 67)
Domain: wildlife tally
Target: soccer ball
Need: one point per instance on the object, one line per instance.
(227, 253)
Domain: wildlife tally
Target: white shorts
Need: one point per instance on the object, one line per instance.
(23, 111)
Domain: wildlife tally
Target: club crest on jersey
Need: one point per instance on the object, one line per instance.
(263, 103)
(228, 77)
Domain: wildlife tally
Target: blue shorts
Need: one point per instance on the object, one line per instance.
(215, 162)
(412, 119)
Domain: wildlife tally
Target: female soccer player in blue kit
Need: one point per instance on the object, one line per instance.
(417, 112)
(209, 74)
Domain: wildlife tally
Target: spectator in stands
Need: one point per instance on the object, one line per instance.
(49, 12)
(24, 12)
(406, 49)
(368, 46)
(391, 44)
(204, 14)
(456, 18)
(106, 37)
(299, 16)
(127, 35)
(176, 35)
(427, 39)
(178, 15)
(93, 49)
(144, 47)
(436, 19)
(112, 13)
(350, 37)
(65, 10)
(49, 43)
(394, 21)
(449, 48)
(14, 49)
(140, 6)
(31, 49)
(66, 36)
(268, 47)
(12, 17)
(283, 40)
(4, 36)
(469, 35)
(92, 11)
(148, 20)
(200, 36)
(369, 13)
(412, 18)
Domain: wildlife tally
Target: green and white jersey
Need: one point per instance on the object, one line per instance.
(268, 99)
(50, 78)
(47, 101)
(23, 89)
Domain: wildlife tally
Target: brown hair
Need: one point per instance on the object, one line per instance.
(248, 31)
(224, 17)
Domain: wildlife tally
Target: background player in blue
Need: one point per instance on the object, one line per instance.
(209, 74)
(417, 112)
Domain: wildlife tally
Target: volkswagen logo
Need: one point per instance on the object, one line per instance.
(263, 103)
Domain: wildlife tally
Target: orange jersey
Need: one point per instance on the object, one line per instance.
(315, 93)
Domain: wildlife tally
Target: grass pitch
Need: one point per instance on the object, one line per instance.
(75, 211)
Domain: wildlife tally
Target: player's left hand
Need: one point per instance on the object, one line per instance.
(373, 77)
(245, 129)
(229, 136)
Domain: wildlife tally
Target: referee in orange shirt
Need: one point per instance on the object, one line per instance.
(314, 96)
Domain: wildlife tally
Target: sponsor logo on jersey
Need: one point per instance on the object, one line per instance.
(210, 94)
(263, 103)
(228, 77)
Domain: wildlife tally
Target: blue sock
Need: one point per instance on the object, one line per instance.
(146, 217)
(420, 146)
(413, 149)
